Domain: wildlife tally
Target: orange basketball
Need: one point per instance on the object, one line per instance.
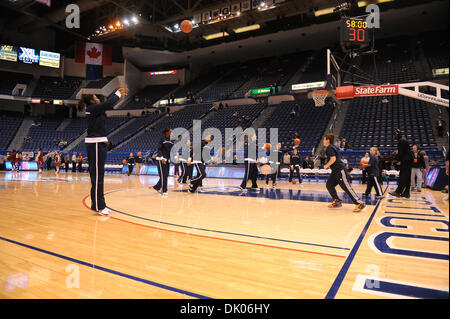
(268, 146)
(294, 182)
(124, 161)
(363, 162)
(186, 26)
(297, 142)
(139, 153)
(266, 169)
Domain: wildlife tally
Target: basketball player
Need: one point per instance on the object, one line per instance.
(18, 160)
(57, 162)
(338, 176)
(274, 176)
(13, 160)
(96, 144)
(251, 170)
(183, 158)
(295, 165)
(200, 165)
(138, 163)
(40, 159)
(189, 165)
(130, 161)
(163, 161)
(373, 172)
(404, 157)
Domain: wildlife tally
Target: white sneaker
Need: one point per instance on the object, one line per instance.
(165, 194)
(104, 212)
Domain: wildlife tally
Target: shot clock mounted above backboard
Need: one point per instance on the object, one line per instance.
(358, 32)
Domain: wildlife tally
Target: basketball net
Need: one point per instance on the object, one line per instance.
(319, 97)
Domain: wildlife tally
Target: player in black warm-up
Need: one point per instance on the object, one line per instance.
(295, 165)
(96, 144)
(199, 162)
(251, 170)
(373, 172)
(338, 176)
(274, 176)
(163, 161)
(403, 157)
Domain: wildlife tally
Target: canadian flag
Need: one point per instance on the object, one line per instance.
(93, 53)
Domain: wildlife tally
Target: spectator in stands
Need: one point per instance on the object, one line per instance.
(292, 114)
(323, 157)
(418, 165)
(271, 90)
(2, 162)
(426, 159)
(74, 162)
(344, 160)
(337, 143)
(305, 163)
(343, 145)
(440, 124)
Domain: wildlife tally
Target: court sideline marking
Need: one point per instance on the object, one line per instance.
(343, 272)
(108, 270)
(210, 237)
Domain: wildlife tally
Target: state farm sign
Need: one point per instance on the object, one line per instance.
(376, 90)
(350, 91)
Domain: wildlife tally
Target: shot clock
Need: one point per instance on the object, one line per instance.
(355, 33)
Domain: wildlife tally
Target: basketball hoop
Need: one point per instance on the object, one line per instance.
(319, 97)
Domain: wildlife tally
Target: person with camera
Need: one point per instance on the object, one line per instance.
(97, 143)
(403, 158)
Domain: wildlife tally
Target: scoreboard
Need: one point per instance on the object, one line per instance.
(30, 56)
(355, 33)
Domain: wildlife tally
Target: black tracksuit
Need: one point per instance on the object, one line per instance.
(131, 161)
(339, 177)
(201, 168)
(96, 148)
(404, 178)
(165, 146)
(373, 172)
(295, 166)
(274, 176)
(251, 170)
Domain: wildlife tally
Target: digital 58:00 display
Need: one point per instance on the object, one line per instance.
(354, 31)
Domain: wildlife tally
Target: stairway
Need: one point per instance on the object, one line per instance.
(63, 125)
(17, 142)
(435, 111)
(137, 134)
(263, 116)
(336, 122)
(31, 86)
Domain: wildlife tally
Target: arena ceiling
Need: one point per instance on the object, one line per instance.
(156, 18)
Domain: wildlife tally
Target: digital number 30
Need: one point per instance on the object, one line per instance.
(357, 34)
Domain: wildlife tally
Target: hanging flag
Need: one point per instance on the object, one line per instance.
(93, 53)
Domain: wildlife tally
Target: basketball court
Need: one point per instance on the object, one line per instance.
(218, 243)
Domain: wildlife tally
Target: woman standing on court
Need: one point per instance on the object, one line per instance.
(96, 144)
(163, 161)
(40, 159)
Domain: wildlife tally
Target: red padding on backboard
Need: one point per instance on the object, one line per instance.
(345, 92)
